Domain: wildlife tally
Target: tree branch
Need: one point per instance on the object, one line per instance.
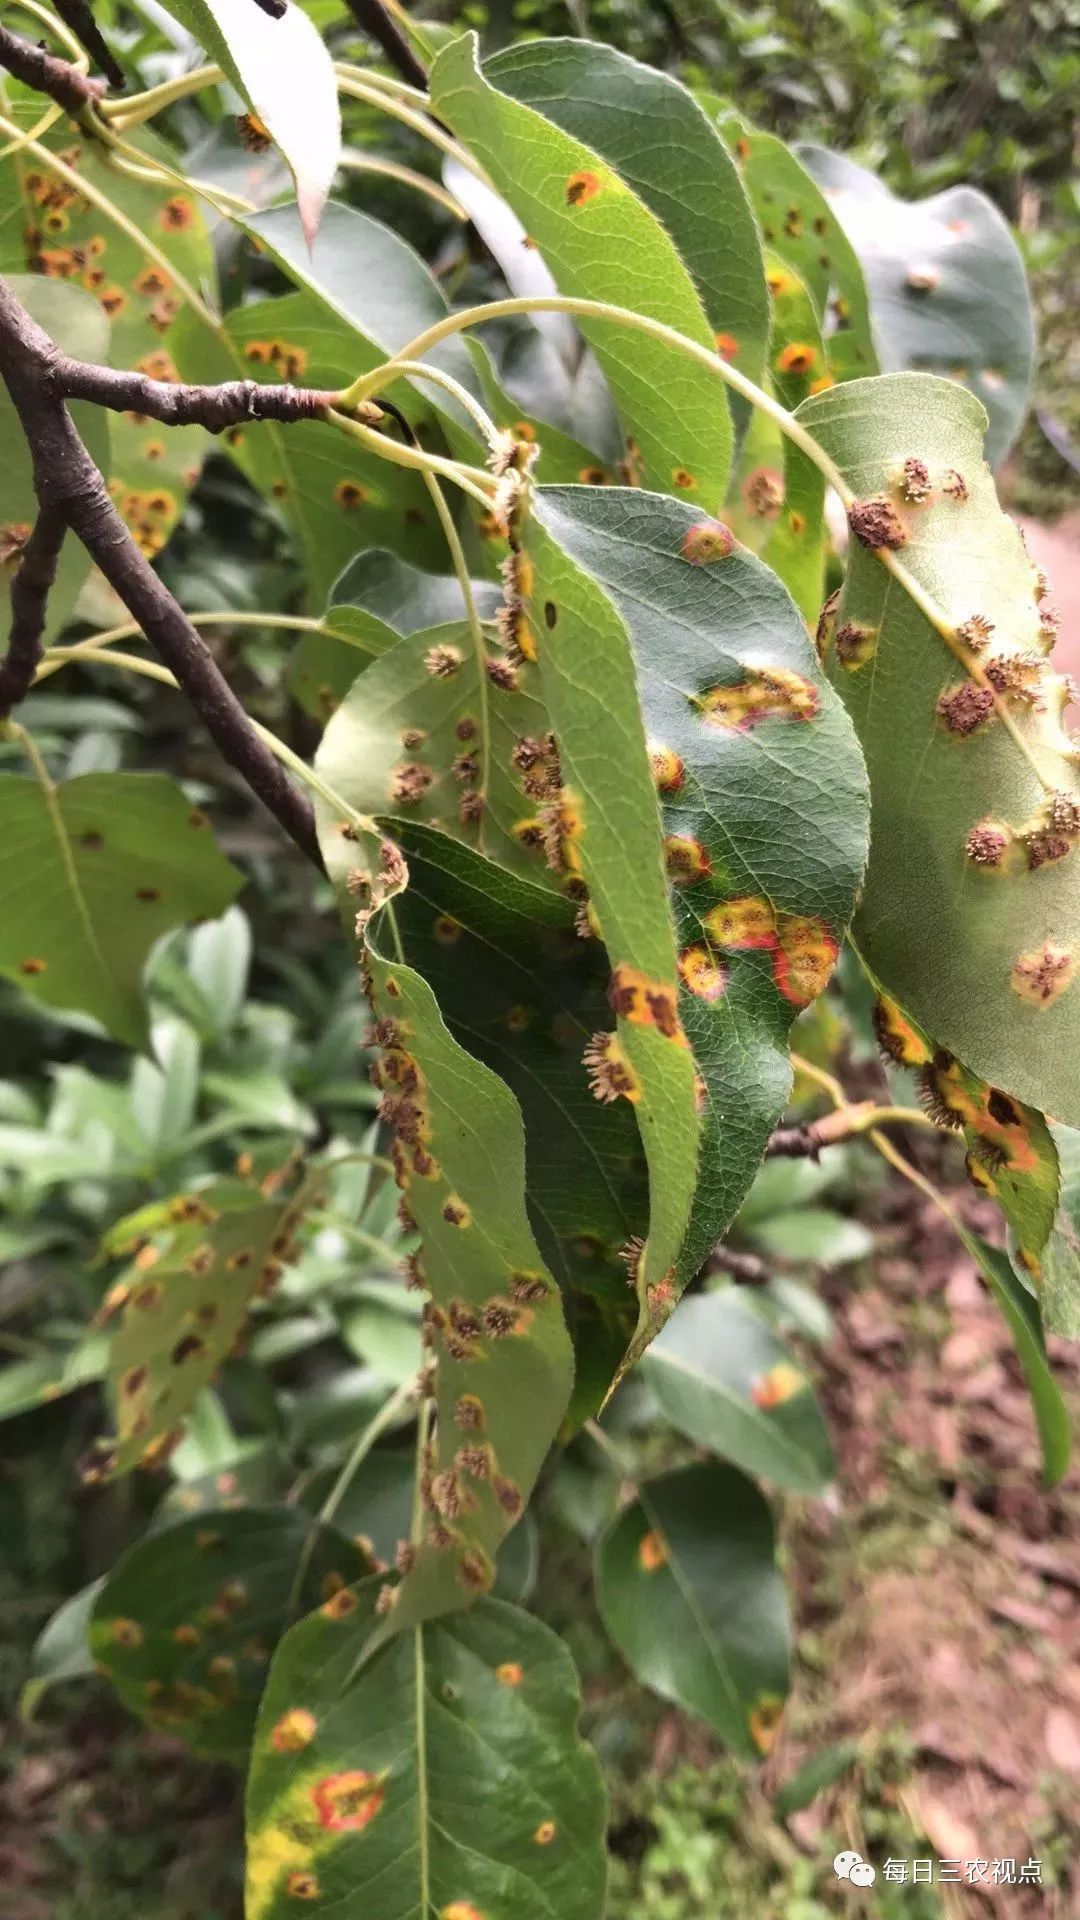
(76, 14)
(69, 487)
(371, 16)
(62, 82)
(29, 599)
(232, 404)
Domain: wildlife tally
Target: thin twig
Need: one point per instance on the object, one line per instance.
(29, 600)
(373, 19)
(46, 73)
(233, 403)
(77, 15)
(69, 485)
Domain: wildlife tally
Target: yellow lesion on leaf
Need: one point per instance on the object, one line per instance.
(652, 1552)
(765, 693)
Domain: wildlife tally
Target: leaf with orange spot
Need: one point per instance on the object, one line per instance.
(142, 297)
(766, 833)
(688, 1587)
(724, 1379)
(116, 861)
(986, 960)
(281, 67)
(464, 1730)
(208, 1603)
(75, 321)
(222, 1247)
(609, 246)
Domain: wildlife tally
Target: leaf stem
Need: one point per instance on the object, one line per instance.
(386, 1416)
(131, 630)
(474, 481)
(353, 161)
(369, 383)
(374, 95)
(421, 370)
(137, 107)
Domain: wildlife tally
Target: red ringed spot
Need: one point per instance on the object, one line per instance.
(706, 542)
(702, 974)
(347, 1802)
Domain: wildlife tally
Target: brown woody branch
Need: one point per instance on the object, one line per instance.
(29, 599)
(62, 82)
(374, 20)
(70, 489)
(232, 404)
(76, 14)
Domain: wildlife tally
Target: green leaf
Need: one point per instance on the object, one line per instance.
(48, 228)
(724, 1379)
(333, 494)
(1023, 1320)
(799, 224)
(780, 510)
(602, 243)
(718, 626)
(519, 989)
(79, 327)
(503, 1357)
(975, 937)
(687, 1583)
(187, 1621)
(377, 286)
(1056, 1268)
(813, 1233)
(62, 1649)
(651, 131)
(376, 598)
(812, 1778)
(184, 1304)
(609, 838)
(947, 286)
(286, 75)
(94, 871)
(365, 1792)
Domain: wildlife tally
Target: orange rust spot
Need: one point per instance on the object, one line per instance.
(1044, 974)
(611, 1076)
(742, 924)
(340, 1605)
(682, 477)
(781, 1383)
(301, 1885)
(667, 769)
(510, 1674)
(461, 1910)
(726, 345)
(346, 1802)
(32, 965)
(295, 1729)
(797, 357)
(808, 953)
(764, 1721)
(177, 213)
(822, 384)
(158, 365)
(126, 1633)
(766, 693)
(707, 541)
(779, 282)
(652, 1553)
(763, 492)
(685, 859)
(897, 1037)
(113, 299)
(582, 187)
(349, 495)
(702, 973)
(545, 1833)
(151, 281)
(644, 1002)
